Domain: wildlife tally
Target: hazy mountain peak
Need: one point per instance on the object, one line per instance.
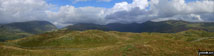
(149, 26)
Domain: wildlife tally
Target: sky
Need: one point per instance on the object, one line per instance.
(94, 3)
(67, 12)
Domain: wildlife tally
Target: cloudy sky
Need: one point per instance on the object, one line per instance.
(67, 12)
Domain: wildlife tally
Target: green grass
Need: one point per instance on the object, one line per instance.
(110, 43)
(11, 34)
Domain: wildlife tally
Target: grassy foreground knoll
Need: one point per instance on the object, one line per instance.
(110, 43)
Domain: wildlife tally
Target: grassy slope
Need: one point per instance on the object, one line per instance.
(11, 34)
(19, 30)
(101, 43)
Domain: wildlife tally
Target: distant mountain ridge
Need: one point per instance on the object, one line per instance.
(86, 26)
(170, 26)
(22, 29)
(34, 27)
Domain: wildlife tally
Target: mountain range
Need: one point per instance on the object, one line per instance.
(18, 30)
(170, 26)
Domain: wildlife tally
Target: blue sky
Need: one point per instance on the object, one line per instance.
(86, 3)
(91, 3)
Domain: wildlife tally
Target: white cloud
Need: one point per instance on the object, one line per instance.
(161, 10)
(22, 10)
(138, 11)
(71, 15)
(179, 9)
(124, 6)
(124, 12)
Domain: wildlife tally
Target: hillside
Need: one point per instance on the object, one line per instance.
(110, 43)
(11, 34)
(86, 26)
(170, 26)
(33, 27)
(17, 30)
